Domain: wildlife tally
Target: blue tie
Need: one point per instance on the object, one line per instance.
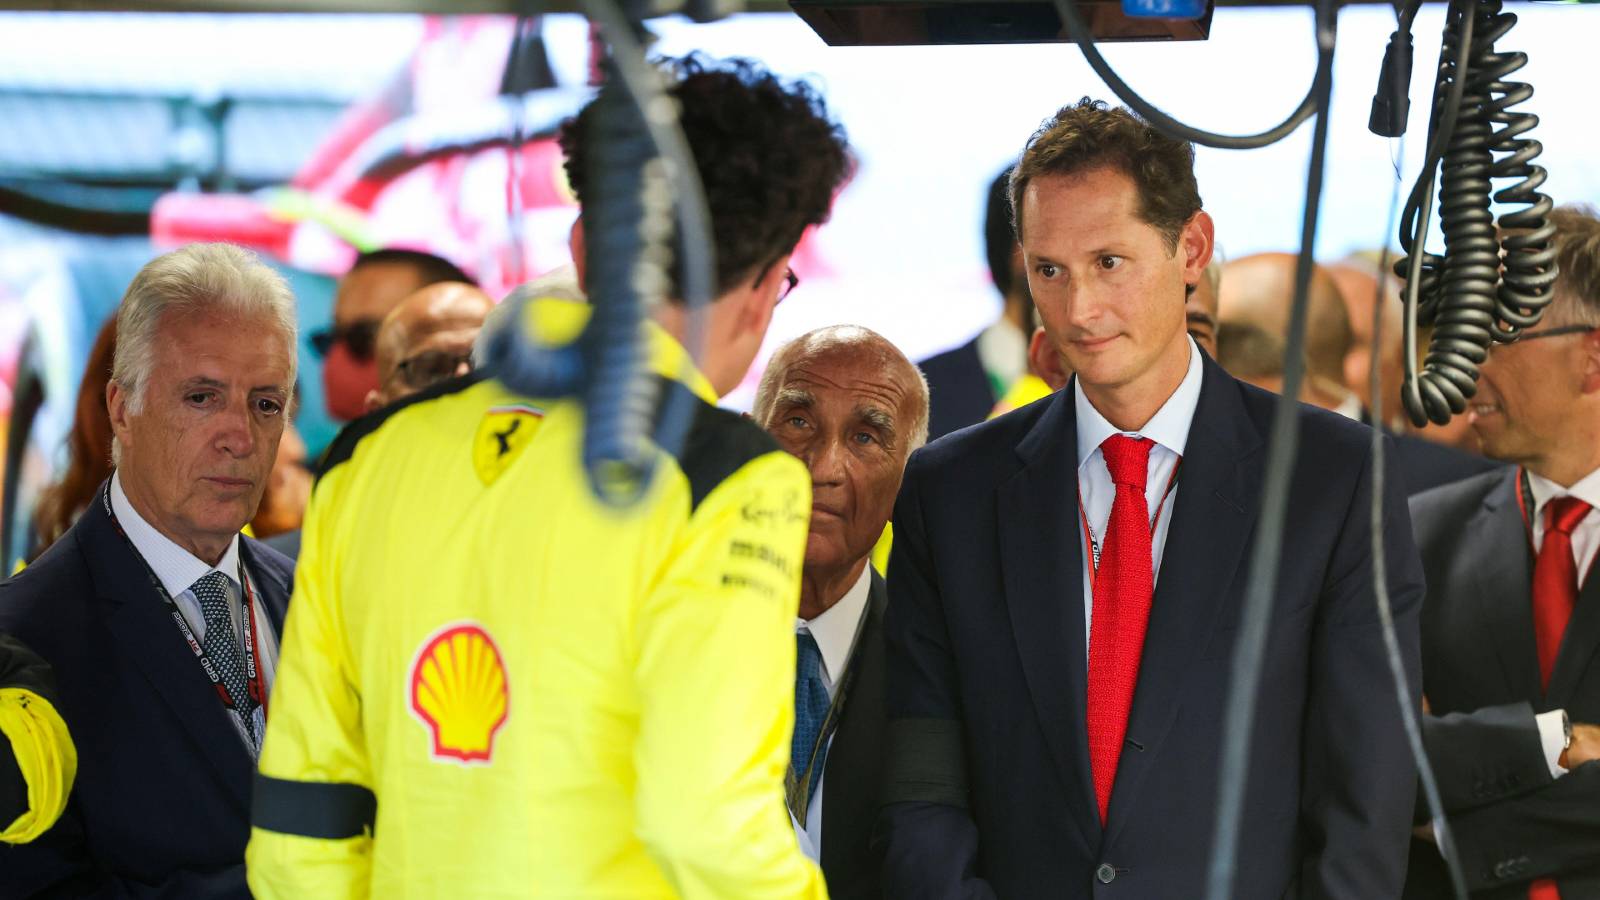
(221, 647)
(810, 707)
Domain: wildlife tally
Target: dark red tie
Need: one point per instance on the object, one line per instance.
(1123, 585)
(1555, 580)
(1555, 594)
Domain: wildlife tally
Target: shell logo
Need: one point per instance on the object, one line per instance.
(459, 690)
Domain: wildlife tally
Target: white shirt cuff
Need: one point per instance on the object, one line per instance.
(1553, 738)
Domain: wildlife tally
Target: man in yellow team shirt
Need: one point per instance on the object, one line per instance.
(494, 684)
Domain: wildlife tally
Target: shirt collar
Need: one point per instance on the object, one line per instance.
(558, 321)
(176, 568)
(835, 630)
(1169, 427)
(1543, 489)
(1352, 408)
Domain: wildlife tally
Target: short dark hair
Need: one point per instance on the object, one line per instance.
(999, 240)
(1088, 135)
(432, 269)
(769, 157)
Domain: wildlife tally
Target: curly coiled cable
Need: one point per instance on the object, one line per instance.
(1465, 294)
(645, 189)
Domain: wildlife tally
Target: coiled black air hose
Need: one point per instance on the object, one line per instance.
(1492, 282)
(644, 182)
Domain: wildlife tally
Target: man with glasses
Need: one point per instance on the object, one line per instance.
(427, 339)
(374, 286)
(1511, 624)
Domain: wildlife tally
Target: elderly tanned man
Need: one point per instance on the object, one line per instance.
(427, 339)
(160, 621)
(852, 407)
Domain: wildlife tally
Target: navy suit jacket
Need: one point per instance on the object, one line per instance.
(161, 807)
(989, 791)
(1480, 666)
(853, 775)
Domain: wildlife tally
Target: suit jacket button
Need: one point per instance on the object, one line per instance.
(1106, 873)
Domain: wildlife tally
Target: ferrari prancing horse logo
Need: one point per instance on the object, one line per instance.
(502, 434)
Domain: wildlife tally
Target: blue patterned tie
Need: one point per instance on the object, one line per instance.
(221, 647)
(810, 707)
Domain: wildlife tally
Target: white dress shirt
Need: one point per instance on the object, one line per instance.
(1169, 429)
(177, 569)
(835, 633)
(1585, 540)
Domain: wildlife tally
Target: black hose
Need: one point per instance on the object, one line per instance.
(1078, 30)
(1464, 293)
(643, 171)
(1261, 587)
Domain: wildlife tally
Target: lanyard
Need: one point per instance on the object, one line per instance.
(1525, 491)
(797, 785)
(1092, 545)
(255, 679)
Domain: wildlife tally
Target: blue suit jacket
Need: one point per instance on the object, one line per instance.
(989, 791)
(161, 807)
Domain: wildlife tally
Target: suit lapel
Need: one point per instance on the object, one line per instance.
(269, 584)
(854, 766)
(1213, 517)
(1504, 591)
(1578, 646)
(1042, 569)
(152, 641)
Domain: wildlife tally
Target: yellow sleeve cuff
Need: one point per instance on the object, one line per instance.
(46, 756)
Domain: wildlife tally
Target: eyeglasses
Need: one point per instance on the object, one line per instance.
(1526, 336)
(1554, 332)
(790, 282)
(360, 336)
(431, 367)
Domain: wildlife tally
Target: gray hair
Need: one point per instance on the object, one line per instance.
(197, 278)
(834, 336)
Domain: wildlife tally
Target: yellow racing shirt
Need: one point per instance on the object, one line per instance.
(494, 685)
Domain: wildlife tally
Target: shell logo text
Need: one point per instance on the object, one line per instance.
(459, 690)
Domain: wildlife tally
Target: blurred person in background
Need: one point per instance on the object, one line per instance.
(1003, 346)
(88, 448)
(1511, 626)
(848, 404)
(159, 619)
(283, 503)
(1257, 295)
(495, 682)
(1251, 355)
(1200, 308)
(1357, 279)
(1258, 290)
(427, 339)
(374, 286)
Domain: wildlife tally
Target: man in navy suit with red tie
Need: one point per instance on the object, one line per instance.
(1067, 582)
(1511, 628)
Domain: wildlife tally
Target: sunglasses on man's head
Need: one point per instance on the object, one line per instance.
(360, 337)
(430, 367)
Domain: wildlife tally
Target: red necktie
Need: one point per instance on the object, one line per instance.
(1555, 580)
(1123, 585)
(1555, 593)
